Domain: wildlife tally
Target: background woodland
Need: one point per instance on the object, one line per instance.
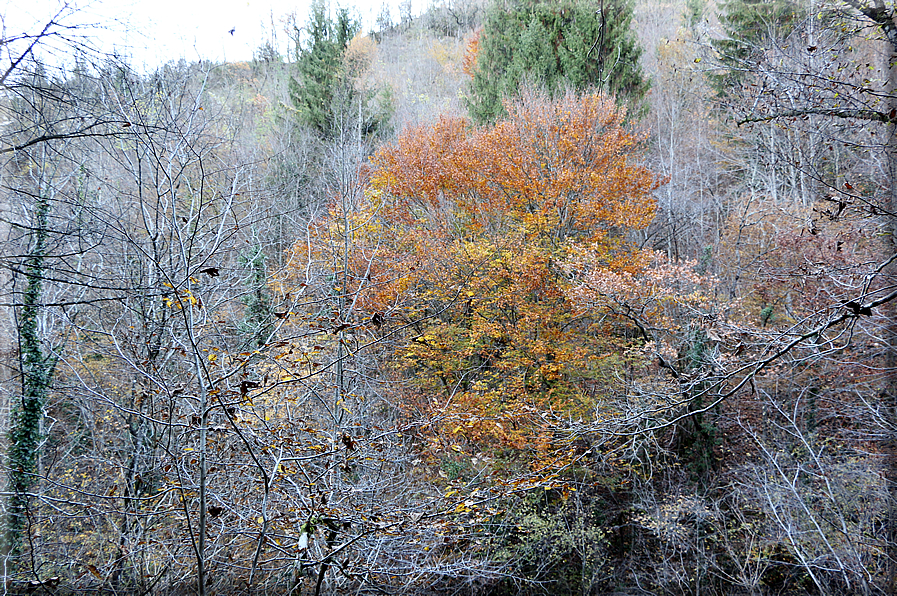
(509, 297)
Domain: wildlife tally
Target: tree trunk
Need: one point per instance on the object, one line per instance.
(889, 279)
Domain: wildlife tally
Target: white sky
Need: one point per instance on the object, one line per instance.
(152, 32)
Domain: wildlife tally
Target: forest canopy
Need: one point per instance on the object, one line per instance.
(507, 297)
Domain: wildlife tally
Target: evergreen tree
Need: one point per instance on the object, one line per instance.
(751, 26)
(321, 79)
(325, 90)
(258, 318)
(579, 43)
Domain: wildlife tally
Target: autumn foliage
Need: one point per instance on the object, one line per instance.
(461, 241)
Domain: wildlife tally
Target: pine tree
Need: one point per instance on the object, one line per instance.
(321, 79)
(751, 25)
(577, 43)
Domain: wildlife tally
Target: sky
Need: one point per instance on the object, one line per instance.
(153, 32)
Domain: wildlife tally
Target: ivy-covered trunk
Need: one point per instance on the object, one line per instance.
(36, 371)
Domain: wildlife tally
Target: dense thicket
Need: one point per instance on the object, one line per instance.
(298, 325)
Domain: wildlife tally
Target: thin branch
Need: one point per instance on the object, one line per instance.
(79, 134)
(754, 369)
(873, 115)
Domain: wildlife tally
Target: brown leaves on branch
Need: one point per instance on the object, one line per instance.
(469, 227)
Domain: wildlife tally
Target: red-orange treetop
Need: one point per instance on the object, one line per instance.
(463, 240)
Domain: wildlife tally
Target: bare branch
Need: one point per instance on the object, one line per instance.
(880, 15)
(872, 115)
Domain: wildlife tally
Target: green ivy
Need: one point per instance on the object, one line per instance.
(258, 316)
(37, 370)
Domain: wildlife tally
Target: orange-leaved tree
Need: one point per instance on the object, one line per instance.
(472, 227)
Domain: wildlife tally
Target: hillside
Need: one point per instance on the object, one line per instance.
(510, 297)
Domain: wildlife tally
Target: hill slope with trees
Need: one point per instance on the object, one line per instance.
(509, 297)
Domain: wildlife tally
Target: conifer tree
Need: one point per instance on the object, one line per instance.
(327, 91)
(577, 43)
(320, 78)
(751, 25)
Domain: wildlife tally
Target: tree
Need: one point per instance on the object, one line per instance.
(474, 225)
(828, 77)
(36, 366)
(325, 87)
(787, 368)
(134, 224)
(38, 111)
(684, 133)
(258, 322)
(452, 258)
(454, 17)
(748, 25)
(575, 43)
(321, 79)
